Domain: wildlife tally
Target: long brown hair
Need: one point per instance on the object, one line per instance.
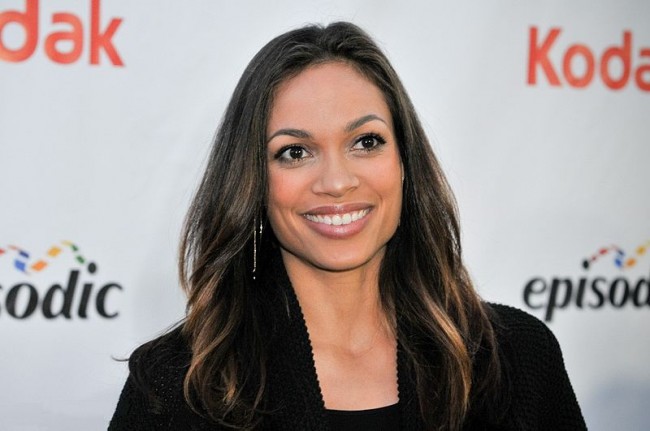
(424, 286)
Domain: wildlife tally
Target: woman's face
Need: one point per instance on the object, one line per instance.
(335, 175)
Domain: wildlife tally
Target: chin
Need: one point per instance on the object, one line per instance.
(346, 261)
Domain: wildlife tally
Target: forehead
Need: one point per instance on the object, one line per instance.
(326, 95)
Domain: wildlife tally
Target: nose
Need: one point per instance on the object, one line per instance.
(335, 178)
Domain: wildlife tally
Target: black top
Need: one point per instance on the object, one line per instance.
(541, 397)
(379, 419)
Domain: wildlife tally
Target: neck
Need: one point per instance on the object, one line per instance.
(341, 308)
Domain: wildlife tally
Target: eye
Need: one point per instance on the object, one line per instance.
(369, 142)
(292, 153)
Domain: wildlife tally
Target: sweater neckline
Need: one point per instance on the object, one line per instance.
(296, 339)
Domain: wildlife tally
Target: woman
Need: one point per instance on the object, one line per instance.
(321, 258)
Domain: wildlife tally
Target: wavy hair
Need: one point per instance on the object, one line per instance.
(424, 287)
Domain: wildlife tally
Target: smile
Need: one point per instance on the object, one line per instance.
(338, 219)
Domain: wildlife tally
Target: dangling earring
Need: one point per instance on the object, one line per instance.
(255, 243)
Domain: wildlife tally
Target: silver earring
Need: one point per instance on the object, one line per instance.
(255, 243)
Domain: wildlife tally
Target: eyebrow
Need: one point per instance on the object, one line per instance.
(352, 125)
(355, 124)
(295, 133)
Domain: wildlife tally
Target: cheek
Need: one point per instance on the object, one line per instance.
(283, 198)
(390, 187)
(287, 187)
(386, 179)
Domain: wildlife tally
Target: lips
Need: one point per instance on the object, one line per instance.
(339, 219)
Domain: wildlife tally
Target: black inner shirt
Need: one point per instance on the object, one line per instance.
(380, 419)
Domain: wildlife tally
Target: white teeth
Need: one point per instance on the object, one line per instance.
(338, 219)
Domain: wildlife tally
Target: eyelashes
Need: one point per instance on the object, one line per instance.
(369, 142)
(291, 153)
(295, 153)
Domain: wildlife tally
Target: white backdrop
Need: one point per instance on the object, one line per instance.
(99, 161)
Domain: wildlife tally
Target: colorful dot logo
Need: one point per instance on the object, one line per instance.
(622, 259)
(23, 263)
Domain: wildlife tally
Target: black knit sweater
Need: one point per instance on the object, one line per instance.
(540, 398)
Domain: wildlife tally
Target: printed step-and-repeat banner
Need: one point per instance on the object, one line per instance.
(539, 112)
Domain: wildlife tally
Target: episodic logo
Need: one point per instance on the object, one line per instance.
(595, 291)
(76, 297)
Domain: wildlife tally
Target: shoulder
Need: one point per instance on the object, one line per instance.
(526, 345)
(158, 368)
(169, 352)
(540, 390)
(521, 330)
(152, 397)
(514, 318)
